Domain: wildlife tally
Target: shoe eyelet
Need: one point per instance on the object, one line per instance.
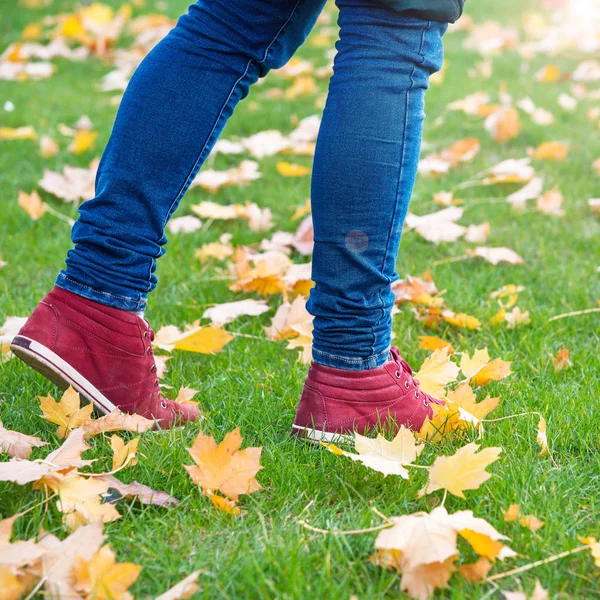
(146, 334)
(425, 403)
(416, 395)
(153, 369)
(163, 404)
(397, 374)
(406, 384)
(149, 351)
(156, 384)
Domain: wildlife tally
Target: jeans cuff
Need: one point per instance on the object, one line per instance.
(106, 298)
(350, 364)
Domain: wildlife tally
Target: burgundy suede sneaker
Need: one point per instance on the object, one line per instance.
(337, 402)
(105, 353)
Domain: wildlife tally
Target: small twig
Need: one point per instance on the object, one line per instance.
(130, 457)
(59, 215)
(491, 592)
(511, 417)
(48, 498)
(537, 563)
(380, 514)
(444, 498)
(347, 532)
(574, 314)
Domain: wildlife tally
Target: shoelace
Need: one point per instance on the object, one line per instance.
(406, 368)
(149, 335)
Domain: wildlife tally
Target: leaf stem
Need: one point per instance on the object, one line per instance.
(574, 314)
(304, 524)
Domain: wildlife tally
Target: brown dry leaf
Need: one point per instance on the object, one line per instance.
(303, 341)
(503, 124)
(217, 250)
(223, 504)
(431, 343)
(214, 180)
(221, 314)
(476, 571)
(48, 147)
(418, 290)
(288, 319)
(184, 589)
(32, 204)
(67, 413)
(516, 317)
(224, 467)
(561, 360)
(292, 170)
(436, 372)
(550, 203)
(16, 444)
(186, 395)
(462, 151)
(123, 453)
(19, 553)
(464, 470)
(117, 421)
(496, 255)
(140, 492)
(510, 170)
(383, 456)
(102, 578)
(550, 151)
(11, 586)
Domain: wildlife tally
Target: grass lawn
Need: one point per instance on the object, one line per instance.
(255, 383)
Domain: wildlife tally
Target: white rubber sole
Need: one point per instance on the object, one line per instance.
(60, 372)
(317, 435)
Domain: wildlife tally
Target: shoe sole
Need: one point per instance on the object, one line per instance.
(58, 371)
(317, 436)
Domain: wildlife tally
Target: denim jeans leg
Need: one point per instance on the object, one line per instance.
(364, 171)
(172, 112)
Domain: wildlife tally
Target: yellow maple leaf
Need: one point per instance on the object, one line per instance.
(460, 320)
(503, 124)
(67, 413)
(471, 366)
(83, 141)
(117, 421)
(102, 578)
(292, 170)
(122, 452)
(464, 470)
(548, 74)
(594, 546)
(436, 372)
(17, 133)
(224, 467)
(464, 397)
(32, 204)
(206, 340)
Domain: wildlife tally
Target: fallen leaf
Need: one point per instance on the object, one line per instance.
(32, 204)
(561, 361)
(102, 578)
(464, 470)
(123, 453)
(205, 340)
(513, 513)
(291, 170)
(550, 203)
(542, 438)
(117, 421)
(496, 255)
(430, 342)
(184, 589)
(67, 413)
(140, 492)
(17, 444)
(83, 141)
(550, 151)
(222, 314)
(476, 571)
(436, 372)
(503, 124)
(185, 224)
(439, 226)
(224, 467)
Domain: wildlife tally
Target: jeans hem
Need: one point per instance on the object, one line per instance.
(106, 298)
(351, 364)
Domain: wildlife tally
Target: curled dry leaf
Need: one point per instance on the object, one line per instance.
(184, 589)
(430, 342)
(464, 470)
(503, 124)
(481, 370)
(117, 421)
(513, 513)
(476, 571)
(439, 226)
(18, 445)
(561, 361)
(542, 437)
(123, 453)
(67, 414)
(139, 491)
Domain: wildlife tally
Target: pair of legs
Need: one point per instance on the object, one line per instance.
(177, 104)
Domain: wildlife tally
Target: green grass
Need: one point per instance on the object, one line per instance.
(255, 384)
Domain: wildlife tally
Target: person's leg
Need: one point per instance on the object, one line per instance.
(84, 332)
(171, 114)
(364, 170)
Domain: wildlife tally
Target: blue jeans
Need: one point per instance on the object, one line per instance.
(365, 163)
